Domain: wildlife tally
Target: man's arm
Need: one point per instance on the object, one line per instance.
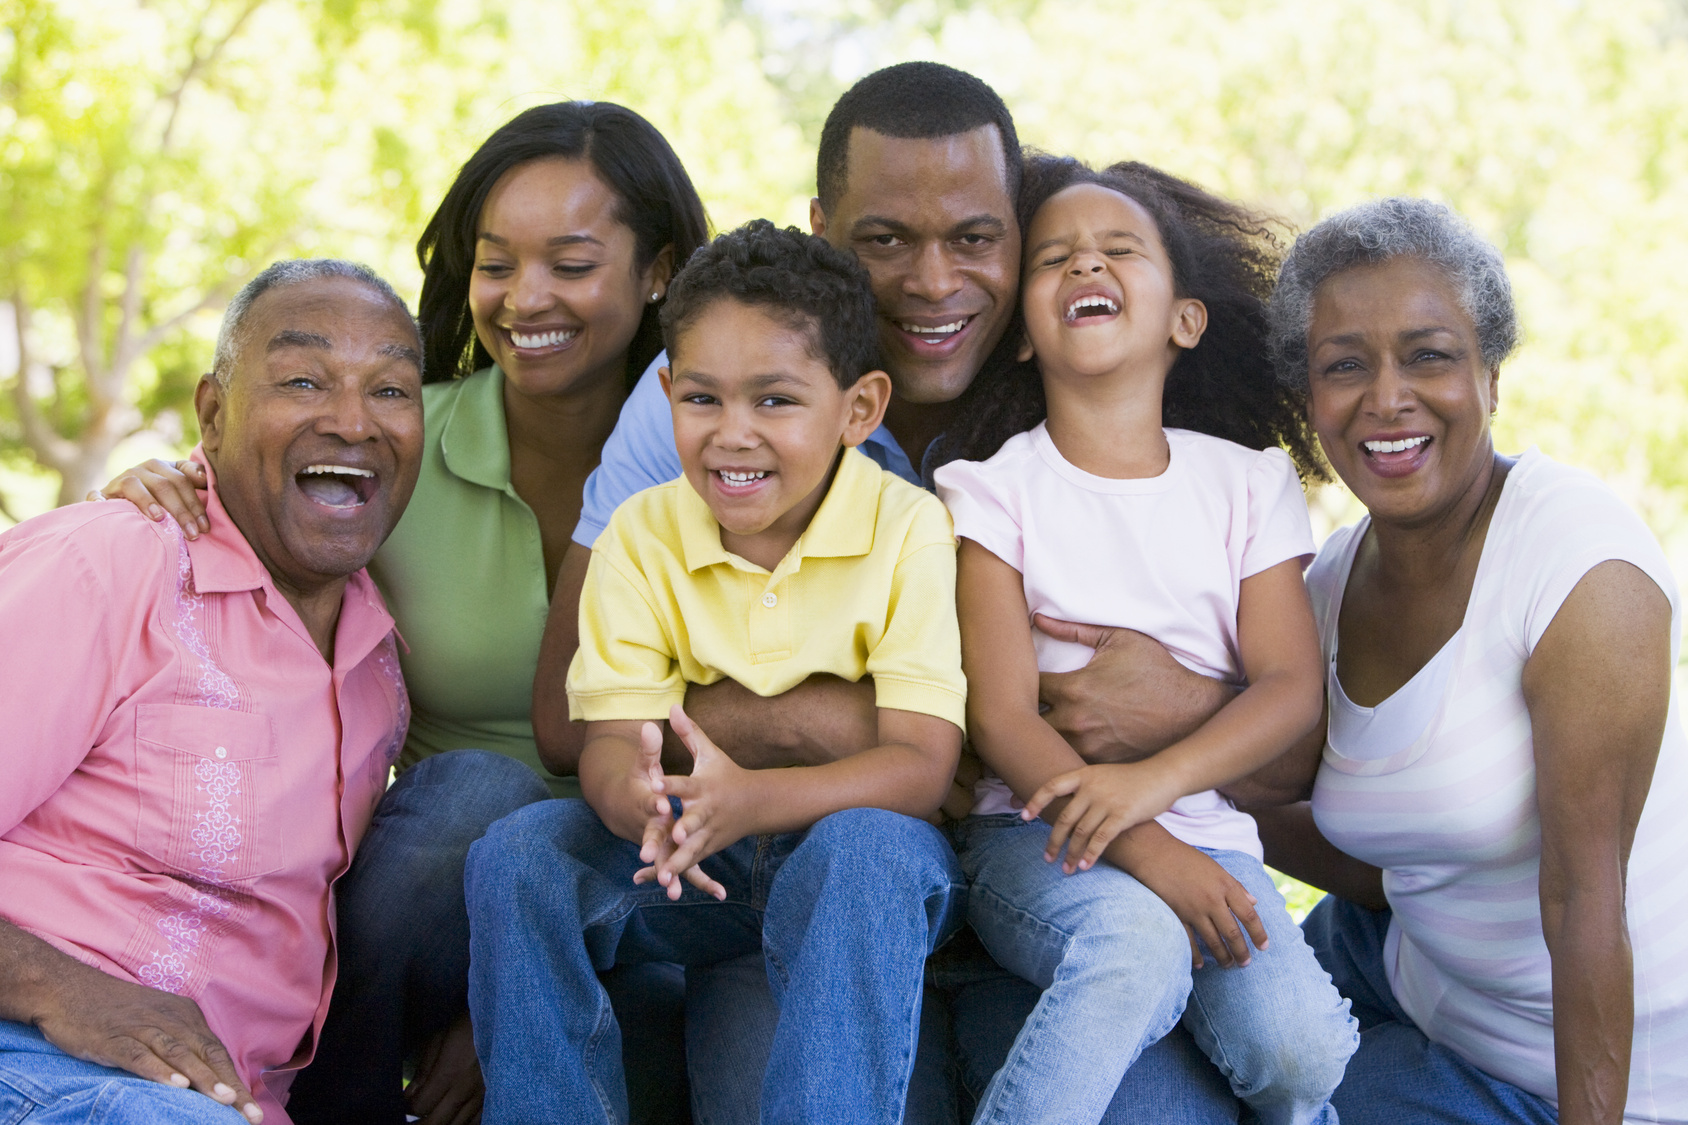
(1133, 700)
(93, 1016)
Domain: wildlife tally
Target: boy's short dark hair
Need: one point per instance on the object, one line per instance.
(912, 100)
(818, 290)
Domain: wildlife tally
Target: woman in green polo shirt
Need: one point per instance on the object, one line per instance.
(545, 267)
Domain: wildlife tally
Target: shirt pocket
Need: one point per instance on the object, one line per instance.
(209, 787)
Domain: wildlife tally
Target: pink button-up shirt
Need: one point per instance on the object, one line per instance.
(182, 774)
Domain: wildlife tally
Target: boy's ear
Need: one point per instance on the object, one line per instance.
(665, 376)
(868, 399)
(1190, 323)
(1026, 352)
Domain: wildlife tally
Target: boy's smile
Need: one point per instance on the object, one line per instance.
(759, 420)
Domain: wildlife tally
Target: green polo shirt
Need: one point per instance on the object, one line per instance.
(464, 578)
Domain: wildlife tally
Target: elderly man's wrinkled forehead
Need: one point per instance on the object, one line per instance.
(308, 314)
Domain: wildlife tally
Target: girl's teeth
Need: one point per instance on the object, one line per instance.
(543, 339)
(1090, 303)
(1394, 446)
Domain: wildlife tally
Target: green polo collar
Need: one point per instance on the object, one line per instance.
(473, 438)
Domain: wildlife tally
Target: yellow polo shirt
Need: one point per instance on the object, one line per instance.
(868, 589)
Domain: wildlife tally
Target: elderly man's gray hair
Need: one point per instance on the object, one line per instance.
(1375, 232)
(232, 336)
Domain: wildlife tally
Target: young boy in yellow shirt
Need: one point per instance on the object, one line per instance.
(780, 553)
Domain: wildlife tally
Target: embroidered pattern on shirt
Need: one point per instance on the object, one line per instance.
(216, 832)
(214, 688)
(387, 660)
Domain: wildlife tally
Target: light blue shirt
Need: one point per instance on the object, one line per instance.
(640, 454)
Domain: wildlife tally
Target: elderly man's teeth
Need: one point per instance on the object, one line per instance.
(741, 478)
(543, 339)
(1394, 446)
(941, 330)
(1095, 302)
(343, 470)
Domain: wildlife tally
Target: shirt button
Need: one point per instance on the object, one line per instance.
(770, 600)
(221, 752)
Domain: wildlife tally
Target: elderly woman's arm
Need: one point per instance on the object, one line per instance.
(1598, 689)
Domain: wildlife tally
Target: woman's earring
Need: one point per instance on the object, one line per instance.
(655, 297)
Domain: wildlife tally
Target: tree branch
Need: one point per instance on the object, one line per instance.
(54, 451)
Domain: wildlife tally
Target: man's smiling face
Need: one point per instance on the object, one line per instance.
(317, 438)
(933, 222)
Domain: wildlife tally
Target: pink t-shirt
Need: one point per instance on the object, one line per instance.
(1164, 555)
(185, 775)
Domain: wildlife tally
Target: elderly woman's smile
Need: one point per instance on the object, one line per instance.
(1402, 397)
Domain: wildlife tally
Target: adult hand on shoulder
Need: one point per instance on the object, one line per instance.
(97, 1018)
(1130, 701)
(716, 809)
(156, 487)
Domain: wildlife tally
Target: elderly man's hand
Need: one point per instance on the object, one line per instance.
(448, 1089)
(1132, 700)
(96, 1017)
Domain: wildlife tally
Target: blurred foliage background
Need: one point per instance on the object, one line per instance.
(156, 153)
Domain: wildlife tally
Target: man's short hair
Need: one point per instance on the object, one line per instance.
(797, 278)
(289, 271)
(913, 100)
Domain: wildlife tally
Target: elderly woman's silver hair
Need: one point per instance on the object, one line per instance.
(291, 271)
(1376, 232)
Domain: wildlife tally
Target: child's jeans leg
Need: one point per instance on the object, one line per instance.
(852, 912)
(551, 903)
(1278, 1029)
(1112, 959)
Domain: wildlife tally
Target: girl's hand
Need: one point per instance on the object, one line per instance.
(1103, 802)
(717, 809)
(156, 487)
(1212, 905)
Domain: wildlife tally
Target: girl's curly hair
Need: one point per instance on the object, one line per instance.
(1222, 255)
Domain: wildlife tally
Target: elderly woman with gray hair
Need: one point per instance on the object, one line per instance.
(1497, 808)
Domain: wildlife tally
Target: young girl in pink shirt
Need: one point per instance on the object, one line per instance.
(1145, 486)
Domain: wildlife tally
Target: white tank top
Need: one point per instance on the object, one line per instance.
(1446, 806)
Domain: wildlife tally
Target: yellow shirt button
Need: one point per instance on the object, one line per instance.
(770, 599)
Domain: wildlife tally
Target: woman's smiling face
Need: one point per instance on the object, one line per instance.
(1399, 393)
(556, 294)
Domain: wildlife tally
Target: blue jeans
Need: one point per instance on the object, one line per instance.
(403, 944)
(1114, 965)
(1398, 1076)
(845, 914)
(1171, 1083)
(41, 1085)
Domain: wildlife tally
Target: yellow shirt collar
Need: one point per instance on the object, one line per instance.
(842, 527)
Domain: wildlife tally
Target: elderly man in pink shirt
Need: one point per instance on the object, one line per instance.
(193, 735)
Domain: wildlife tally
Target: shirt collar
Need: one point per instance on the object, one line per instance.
(842, 526)
(225, 563)
(474, 439)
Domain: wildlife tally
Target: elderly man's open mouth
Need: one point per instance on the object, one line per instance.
(340, 487)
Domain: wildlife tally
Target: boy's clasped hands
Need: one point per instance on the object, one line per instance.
(716, 801)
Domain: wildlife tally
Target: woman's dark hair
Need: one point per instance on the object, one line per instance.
(796, 277)
(1222, 255)
(656, 198)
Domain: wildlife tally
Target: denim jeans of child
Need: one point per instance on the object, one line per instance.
(1114, 965)
(403, 945)
(844, 913)
(41, 1085)
(1398, 1076)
